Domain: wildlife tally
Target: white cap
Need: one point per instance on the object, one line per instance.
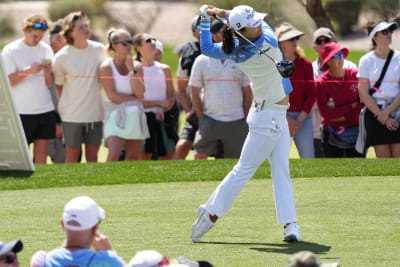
(244, 16)
(383, 25)
(147, 258)
(82, 213)
(159, 46)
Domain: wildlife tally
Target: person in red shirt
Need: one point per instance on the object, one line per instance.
(339, 103)
(302, 97)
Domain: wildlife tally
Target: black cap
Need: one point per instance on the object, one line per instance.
(14, 246)
(216, 26)
(56, 27)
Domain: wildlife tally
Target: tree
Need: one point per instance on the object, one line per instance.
(317, 12)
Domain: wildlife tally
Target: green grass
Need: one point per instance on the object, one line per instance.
(350, 219)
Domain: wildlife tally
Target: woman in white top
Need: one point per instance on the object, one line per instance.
(382, 129)
(268, 137)
(159, 97)
(125, 124)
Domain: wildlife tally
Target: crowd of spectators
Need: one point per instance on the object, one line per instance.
(80, 96)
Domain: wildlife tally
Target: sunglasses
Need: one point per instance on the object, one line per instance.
(338, 56)
(294, 39)
(386, 32)
(9, 258)
(40, 26)
(150, 40)
(125, 42)
(319, 41)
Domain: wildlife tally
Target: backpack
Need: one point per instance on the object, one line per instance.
(189, 53)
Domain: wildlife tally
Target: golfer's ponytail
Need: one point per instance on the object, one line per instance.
(228, 42)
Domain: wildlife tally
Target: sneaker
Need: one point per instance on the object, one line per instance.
(291, 233)
(202, 225)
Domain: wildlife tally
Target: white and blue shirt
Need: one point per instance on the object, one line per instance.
(267, 84)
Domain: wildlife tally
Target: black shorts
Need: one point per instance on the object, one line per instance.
(39, 126)
(378, 134)
(190, 128)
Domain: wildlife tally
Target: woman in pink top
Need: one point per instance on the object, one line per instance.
(339, 103)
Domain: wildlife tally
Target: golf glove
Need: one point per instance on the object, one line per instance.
(203, 12)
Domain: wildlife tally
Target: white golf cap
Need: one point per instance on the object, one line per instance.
(82, 213)
(244, 16)
(383, 25)
(148, 258)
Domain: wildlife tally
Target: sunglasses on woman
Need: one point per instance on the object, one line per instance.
(150, 40)
(386, 32)
(9, 258)
(125, 42)
(338, 56)
(319, 41)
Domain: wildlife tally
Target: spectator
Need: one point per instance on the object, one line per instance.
(159, 97)
(152, 258)
(382, 129)
(221, 97)
(8, 253)
(125, 125)
(56, 149)
(80, 222)
(338, 103)
(78, 88)
(268, 137)
(148, 258)
(321, 37)
(38, 258)
(27, 62)
(308, 259)
(302, 97)
(188, 54)
(172, 115)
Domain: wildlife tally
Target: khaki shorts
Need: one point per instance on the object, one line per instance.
(231, 134)
(76, 133)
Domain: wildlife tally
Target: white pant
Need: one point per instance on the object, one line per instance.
(268, 138)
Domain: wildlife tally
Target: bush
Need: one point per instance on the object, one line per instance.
(60, 8)
(6, 27)
(344, 14)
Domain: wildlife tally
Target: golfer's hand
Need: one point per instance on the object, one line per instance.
(209, 10)
(101, 242)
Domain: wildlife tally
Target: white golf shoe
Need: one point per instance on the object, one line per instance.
(291, 233)
(202, 225)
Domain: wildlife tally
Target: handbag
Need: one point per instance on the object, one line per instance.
(342, 137)
(374, 88)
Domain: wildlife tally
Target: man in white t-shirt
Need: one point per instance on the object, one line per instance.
(27, 62)
(76, 71)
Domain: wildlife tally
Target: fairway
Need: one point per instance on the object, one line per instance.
(353, 220)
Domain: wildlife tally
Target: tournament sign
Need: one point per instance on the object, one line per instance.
(14, 150)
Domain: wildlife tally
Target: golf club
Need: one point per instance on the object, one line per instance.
(284, 67)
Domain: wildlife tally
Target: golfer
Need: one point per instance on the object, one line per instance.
(268, 136)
